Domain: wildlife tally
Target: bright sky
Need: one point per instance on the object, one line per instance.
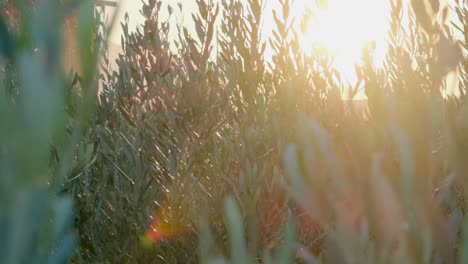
(343, 27)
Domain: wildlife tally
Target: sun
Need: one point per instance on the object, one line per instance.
(343, 27)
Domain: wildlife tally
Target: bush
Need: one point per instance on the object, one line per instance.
(212, 153)
(186, 129)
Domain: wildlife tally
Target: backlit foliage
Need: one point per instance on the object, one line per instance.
(203, 149)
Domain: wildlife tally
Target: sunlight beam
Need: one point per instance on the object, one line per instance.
(343, 28)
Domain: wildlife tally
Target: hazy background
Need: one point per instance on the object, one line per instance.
(132, 7)
(363, 20)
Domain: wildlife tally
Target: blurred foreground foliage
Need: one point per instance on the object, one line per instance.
(39, 134)
(210, 152)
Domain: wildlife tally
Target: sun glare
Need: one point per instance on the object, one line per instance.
(343, 27)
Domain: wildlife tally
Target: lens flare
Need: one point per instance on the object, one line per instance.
(168, 223)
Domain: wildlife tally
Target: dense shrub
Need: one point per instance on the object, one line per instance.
(210, 152)
(177, 131)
